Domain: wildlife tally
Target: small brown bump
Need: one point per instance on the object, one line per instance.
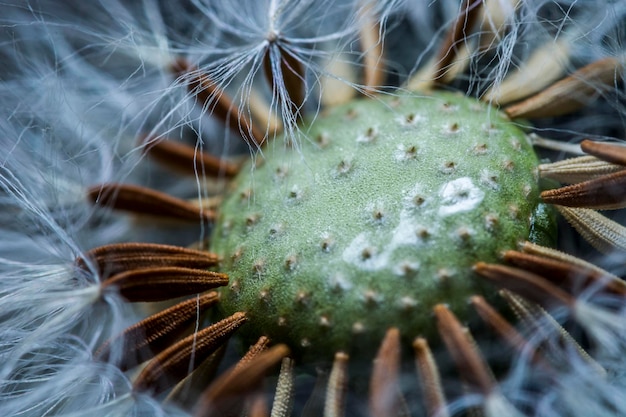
(323, 140)
(418, 200)
(276, 230)
(305, 343)
(464, 234)
(489, 179)
(237, 254)
(367, 253)
(245, 195)
(258, 267)
(491, 222)
(343, 168)
(516, 144)
(480, 149)
(422, 233)
(449, 107)
(295, 194)
(235, 287)
(410, 119)
(514, 212)
(281, 172)
(327, 244)
(508, 165)
(252, 219)
(352, 114)
(406, 269)
(291, 263)
(452, 128)
(282, 321)
(369, 136)
(448, 167)
(410, 152)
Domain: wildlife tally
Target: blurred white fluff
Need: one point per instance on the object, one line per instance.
(80, 82)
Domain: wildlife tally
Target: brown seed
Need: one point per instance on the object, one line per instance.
(575, 278)
(571, 93)
(608, 152)
(174, 363)
(142, 200)
(279, 63)
(335, 402)
(524, 283)
(371, 44)
(472, 366)
(216, 102)
(151, 336)
(434, 398)
(470, 10)
(163, 283)
(602, 193)
(120, 257)
(188, 159)
(385, 397)
(224, 396)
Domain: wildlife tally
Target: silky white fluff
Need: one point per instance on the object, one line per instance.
(80, 82)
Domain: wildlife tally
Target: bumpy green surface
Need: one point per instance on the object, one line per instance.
(379, 216)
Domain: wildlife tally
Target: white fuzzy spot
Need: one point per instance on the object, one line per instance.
(403, 235)
(459, 196)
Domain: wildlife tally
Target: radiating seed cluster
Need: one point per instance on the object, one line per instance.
(378, 217)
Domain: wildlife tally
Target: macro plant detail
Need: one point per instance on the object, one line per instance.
(330, 254)
(332, 247)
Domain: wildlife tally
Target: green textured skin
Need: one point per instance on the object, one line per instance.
(378, 216)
